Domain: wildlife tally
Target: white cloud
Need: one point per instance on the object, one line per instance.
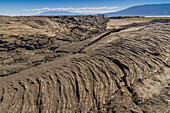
(95, 8)
(91, 12)
(42, 9)
(92, 9)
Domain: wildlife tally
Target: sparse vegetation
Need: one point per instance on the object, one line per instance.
(141, 18)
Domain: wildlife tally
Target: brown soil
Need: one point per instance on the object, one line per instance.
(74, 64)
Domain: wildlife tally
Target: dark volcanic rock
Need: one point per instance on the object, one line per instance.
(125, 70)
(2, 42)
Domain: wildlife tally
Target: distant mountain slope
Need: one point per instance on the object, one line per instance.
(144, 10)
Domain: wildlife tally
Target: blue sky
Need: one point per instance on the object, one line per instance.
(32, 7)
